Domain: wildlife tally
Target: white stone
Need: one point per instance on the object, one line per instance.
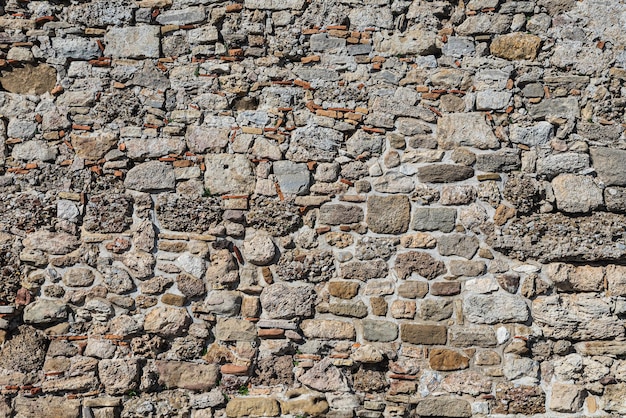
(503, 335)
(260, 249)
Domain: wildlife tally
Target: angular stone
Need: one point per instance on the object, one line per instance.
(576, 194)
(314, 143)
(465, 130)
(382, 331)
(363, 271)
(325, 377)
(260, 249)
(335, 214)
(515, 46)
(615, 280)
(615, 199)
(484, 23)
(566, 162)
(467, 336)
(418, 262)
(53, 406)
(566, 397)
(56, 243)
(577, 316)
(434, 219)
(29, 79)
(167, 322)
(354, 309)
(286, 301)
(132, 42)
(313, 405)
(228, 174)
(274, 4)
(419, 240)
(185, 16)
(458, 244)
(444, 173)
(443, 359)
(25, 352)
(187, 375)
(504, 160)
(343, 289)
(601, 348)
(321, 42)
(152, 176)
(571, 278)
(231, 329)
(93, 145)
(412, 289)
(118, 375)
(582, 238)
(44, 311)
(75, 47)
(492, 100)
(34, 150)
(491, 309)
(443, 407)
(393, 182)
(412, 42)
(328, 329)
(423, 334)
(567, 108)
(519, 399)
(457, 195)
(445, 288)
(467, 268)
(388, 214)
(538, 134)
(78, 277)
(222, 302)
(202, 139)
(609, 164)
(293, 178)
(435, 309)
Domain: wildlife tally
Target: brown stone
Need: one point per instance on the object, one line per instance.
(93, 145)
(172, 299)
(252, 407)
(187, 375)
(503, 214)
(328, 329)
(343, 289)
(445, 288)
(519, 399)
(29, 79)
(378, 305)
(516, 46)
(388, 214)
(413, 289)
(446, 360)
(418, 240)
(423, 334)
(421, 263)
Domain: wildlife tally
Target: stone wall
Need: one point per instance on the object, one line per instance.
(371, 208)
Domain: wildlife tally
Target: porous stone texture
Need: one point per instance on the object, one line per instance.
(331, 208)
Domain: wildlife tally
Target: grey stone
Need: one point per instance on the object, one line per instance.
(381, 331)
(274, 4)
(484, 23)
(458, 47)
(411, 42)
(325, 377)
(23, 129)
(119, 376)
(44, 311)
(615, 199)
(222, 302)
(467, 268)
(609, 164)
(444, 173)
(388, 214)
(229, 174)
(335, 214)
(465, 129)
(504, 160)
(560, 107)
(313, 74)
(132, 42)
(259, 250)
(314, 143)
(458, 244)
(286, 301)
(363, 271)
(362, 142)
(185, 16)
(293, 178)
(434, 219)
(152, 176)
(418, 262)
(492, 100)
(34, 151)
(393, 182)
(495, 308)
(576, 194)
(538, 134)
(568, 162)
(75, 47)
(187, 375)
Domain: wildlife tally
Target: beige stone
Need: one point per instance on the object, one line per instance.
(516, 46)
